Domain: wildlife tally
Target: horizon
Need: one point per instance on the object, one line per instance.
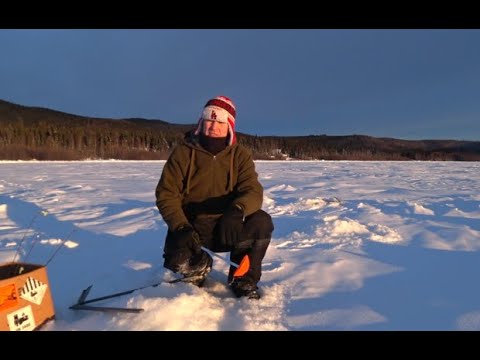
(268, 135)
(409, 84)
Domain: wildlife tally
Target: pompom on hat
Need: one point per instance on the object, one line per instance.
(221, 109)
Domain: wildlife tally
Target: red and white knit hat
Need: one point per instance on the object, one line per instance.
(221, 109)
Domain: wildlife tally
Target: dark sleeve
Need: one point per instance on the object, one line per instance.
(249, 189)
(169, 190)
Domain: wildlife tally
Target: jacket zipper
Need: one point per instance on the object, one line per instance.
(212, 189)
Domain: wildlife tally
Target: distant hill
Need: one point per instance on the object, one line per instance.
(45, 134)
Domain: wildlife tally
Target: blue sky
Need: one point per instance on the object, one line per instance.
(410, 84)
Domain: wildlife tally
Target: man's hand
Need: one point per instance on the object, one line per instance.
(230, 226)
(187, 237)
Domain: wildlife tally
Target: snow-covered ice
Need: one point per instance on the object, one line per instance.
(357, 246)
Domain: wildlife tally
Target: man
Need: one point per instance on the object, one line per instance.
(209, 195)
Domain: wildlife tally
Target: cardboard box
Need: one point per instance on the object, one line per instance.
(25, 298)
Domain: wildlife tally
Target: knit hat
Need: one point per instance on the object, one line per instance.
(220, 109)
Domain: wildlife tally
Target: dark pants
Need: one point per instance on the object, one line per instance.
(256, 236)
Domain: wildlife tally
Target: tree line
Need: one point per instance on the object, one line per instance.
(44, 134)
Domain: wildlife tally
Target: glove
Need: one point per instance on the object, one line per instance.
(230, 226)
(187, 237)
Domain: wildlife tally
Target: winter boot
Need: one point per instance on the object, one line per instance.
(244, 286)
(197, 272)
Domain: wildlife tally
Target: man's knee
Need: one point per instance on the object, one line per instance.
(259, 225)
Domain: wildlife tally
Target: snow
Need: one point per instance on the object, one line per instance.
(356, 246)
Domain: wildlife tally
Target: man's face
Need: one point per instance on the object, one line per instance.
(215, 129)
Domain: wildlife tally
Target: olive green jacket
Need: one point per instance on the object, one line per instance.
(195, 183)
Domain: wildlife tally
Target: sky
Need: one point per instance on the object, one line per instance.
(357, 246)
(409, 84)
